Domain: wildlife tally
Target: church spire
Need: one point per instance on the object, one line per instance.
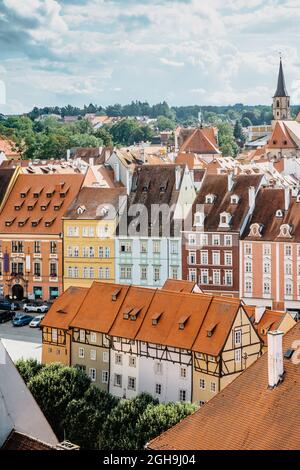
(281, 88)
(281, 99)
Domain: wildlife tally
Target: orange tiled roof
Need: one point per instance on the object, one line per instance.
(246, 415)
(49, 210)
(201, 141)
(179, 285)
(9, 148)
(64, 308)
(280, 137)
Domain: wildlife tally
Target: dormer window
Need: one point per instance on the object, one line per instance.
(146, 187)
(210, 198)
(182, 322)
(210, 330)
(58, 205)
(225, 218)
(127, 313)
(49, 222)
(255, 230)
(298, 198)
(234, 199)
(19, 205)
(199, 219)
(80, 210)
(155, 318)
(285, 231)
(279, 213)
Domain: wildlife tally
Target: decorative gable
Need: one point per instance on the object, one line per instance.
(285, 231)
(255, 230)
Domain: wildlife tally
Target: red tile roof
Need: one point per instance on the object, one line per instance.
(246, 415)
(201, 141)
(64, 308)
(19, 441)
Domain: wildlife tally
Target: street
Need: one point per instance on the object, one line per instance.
(21, 342)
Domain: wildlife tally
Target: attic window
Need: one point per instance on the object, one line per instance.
(49, 222)
(115, 294)
(134, 313)
(57, 206)
(182, 322)
(288, 353)
(19, 205)
(24, 193)
(155, 318)
(37, 193)
(127, 313)
(199, 219)
(210, 330)
(255, 230)
(49, 193)
(279, 213)
(234, 199)
(285, 231)
(21, 223)
(35, 223)
(210, 198)
(146, 187)
(31, 206)
(163, 187)
(8, 223)
(80, 210)
(224, 219)
(44, 206)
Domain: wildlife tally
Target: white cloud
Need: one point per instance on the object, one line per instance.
(172, 63)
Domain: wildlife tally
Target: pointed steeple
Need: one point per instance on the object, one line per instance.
(281, 88)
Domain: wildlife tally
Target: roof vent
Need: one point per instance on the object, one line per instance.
(210, 330)
(134, 313)
(279, 213)
(182, 322)
(127, 313)
(155, 318)
(61, 310)
(115, 294)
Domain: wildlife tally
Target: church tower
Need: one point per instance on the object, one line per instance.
(281, 99)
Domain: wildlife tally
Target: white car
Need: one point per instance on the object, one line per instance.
(36, 321)
(42, 308)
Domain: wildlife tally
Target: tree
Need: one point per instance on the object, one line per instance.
(227, 144)
(129, 131)
(164, 123)
(85, 417)
(54, 387)
(246, 122)
(104, 135)
(158, 418)
(28, 368)
(119, 430)
(238, 133)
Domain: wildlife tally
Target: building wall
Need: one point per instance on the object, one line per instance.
(56, 350)
(79, 243)
(31, 283)
(127, 366)
(165, 261)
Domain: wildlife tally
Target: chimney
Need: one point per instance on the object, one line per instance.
(128, 180)
(177, 177)
(251, 192)
(286, 199)
(275, 358)
(259, 311)
(229, 181)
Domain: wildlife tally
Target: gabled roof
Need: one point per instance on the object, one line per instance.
(6, 175)
(66, 185)
(280, 137)
(179, 285)
(246, 415)
(19, 441)
(218, 186)
(281, 88)
(201, 141)
(64, 308)
(94, 200)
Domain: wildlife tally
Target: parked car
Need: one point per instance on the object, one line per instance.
(8, 305)
(36, 321)
(21, 320)
(35, 308)
(6, 315)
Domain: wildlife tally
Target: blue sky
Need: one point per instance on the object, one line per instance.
(55, 52)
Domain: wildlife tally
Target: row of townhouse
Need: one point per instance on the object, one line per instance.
(177, 345)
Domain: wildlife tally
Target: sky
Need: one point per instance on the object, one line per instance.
(206, 52)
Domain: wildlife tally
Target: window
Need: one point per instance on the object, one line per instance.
(213, 387)
(216, 276)
(287, 250)
(125, 272)
(118, 359)
(53, 248)
(204, 276)
(37, 269)
(93, 374)
(216, 257)
(158, 368)
(288, 269)
(209, 198)
(105, 377)
(183, 372)
(248, 267)
(118, 380)
(81, 353)
(228, 278)
(131, 383)
(267, 287)
(203, 239)
(54, 335)
(182, 395)
(156, 246)
(158, 389)
(143, 246)
(17, 247)
(82, 336)
(91, 273)
(93, 337)
(105, 341)
(248, 249)
(192, 239)
(228, 258)
(228, 240)
(267, 267)
(53, 269)
(204, 257)
(107, 252)
(93, 354)
(76, 251)
(237, 355)
(288, 289)
(174, 247)
(105, 357)
(192, 275)
(100, 252)
(125, 247)
(156, 274)
(107, 273)
(132, 361)
(202, 384)
(199, 219)
(174, 273)
(144, 273)
(192, 257)
(37, 247)
(237, 337)
(248, 286)
(267, 249)
(216, 240)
